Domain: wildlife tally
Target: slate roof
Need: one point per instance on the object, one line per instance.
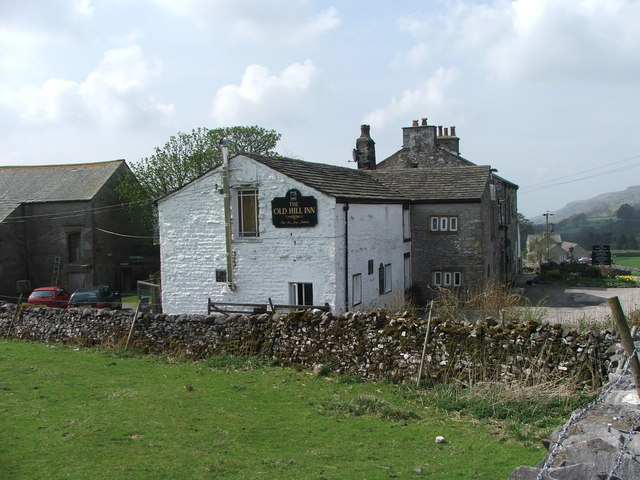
(437, 184)
(339, 182)
(425, 156)
(434, 184)
(52, 183)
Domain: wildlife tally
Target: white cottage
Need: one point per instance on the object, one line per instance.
(298, 233)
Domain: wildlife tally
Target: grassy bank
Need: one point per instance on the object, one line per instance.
(76, 414)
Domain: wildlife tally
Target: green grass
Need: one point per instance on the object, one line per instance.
(77, 414)
(633, 262)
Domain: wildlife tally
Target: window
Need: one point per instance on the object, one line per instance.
(301, 293)
(444, 224)
(387, 277)
(73, 245)
(407, 271)
(248, 213)
(446, 279)
(221, 275)
(356, 289)
(370, 267)
(406, 222)
(384, 272)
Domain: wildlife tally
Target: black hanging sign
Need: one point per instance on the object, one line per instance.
(294, 210)
(601, 255)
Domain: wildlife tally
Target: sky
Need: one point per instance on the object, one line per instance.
(545, 91)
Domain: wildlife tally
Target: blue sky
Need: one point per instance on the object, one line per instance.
(546, 91)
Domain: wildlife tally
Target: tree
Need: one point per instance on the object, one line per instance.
(185, 157)
(526, 227)
(626, 211)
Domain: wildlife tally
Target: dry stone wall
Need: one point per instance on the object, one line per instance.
(373, 345)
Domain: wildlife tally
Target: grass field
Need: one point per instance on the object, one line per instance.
(83, 414)
(633, 262)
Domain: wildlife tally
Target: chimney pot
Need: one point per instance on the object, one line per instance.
(365, 130)
(439, 130)
(424, 122)
(446, 132)
(453, 131)
(415, 123)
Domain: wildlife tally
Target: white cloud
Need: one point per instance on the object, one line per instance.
(538, 39)
(262, 97)
(429, 98)
(287, 22)
(114, 94)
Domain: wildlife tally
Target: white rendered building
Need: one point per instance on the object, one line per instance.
(299, 233)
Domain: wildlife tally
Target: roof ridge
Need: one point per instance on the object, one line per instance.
(63, 165)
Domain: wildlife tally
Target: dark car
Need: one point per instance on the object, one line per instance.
(102, 296)
(49, 297)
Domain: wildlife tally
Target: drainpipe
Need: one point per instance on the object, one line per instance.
(346, 257)
(224, 145)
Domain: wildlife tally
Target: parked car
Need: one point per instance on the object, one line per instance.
(102, 296)
(49, 297)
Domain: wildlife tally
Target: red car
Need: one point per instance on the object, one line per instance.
(49, 297)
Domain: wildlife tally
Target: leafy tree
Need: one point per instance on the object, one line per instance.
(626, 211)
(526, 226)
(185, 157)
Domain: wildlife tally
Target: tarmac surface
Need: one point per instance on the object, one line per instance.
(568, 305)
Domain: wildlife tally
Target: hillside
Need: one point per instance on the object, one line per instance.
(602, 205)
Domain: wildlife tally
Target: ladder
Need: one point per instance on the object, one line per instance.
(56, 271)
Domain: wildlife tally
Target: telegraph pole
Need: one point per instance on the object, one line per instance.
(546, 230)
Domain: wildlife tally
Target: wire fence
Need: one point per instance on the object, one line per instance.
(580, 414)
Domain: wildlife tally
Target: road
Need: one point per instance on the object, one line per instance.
(577, 305)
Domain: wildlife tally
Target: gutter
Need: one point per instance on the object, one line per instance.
(346, 257)
(224, 145)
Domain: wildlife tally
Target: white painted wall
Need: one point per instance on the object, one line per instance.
(375, 233)
(192, 246)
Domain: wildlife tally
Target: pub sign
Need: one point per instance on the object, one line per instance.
(601, 255)
(293, 210)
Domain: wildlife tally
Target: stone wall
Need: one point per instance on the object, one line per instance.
(374, 345)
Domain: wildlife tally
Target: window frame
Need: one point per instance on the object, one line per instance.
(356, 289)
(298, 289)
(388, 283)
(408, 280)
(406, 222)
(248, 227)
(221, 275)
(446, 278)
(444, 223)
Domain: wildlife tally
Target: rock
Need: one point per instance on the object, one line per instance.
(440, 439)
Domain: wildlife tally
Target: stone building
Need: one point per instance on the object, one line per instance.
(65, 224)
(463, 216)
(545, 247)
(300, 233)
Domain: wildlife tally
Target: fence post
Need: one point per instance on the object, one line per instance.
(424, 347)
(133, 323)
(627, 340)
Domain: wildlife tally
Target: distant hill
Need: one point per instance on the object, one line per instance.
(599, 206)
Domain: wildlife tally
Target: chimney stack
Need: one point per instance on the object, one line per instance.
(419, 134)
(448, 140)
(365, 152)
